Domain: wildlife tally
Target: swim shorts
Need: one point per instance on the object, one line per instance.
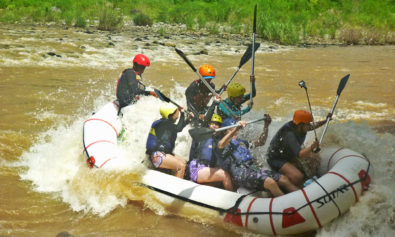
(252, 178)
(276, 164)
(157, 158)
(194, 167)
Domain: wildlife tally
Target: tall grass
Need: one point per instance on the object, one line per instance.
(282, 21)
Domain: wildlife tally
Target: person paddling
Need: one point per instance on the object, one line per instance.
(130, 86)
(287, 146)
(204, 158)
(244, 170)
(162, 137)
(236, 98)
(198, 95)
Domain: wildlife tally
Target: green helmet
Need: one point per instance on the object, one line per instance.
(235, 90)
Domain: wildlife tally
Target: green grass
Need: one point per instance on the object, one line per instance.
(282, 21)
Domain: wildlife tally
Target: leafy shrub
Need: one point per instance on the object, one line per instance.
(110, 18)
(141, 19)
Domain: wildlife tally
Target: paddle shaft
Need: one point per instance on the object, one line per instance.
(246, 56)
(235, 125)
(328, 119)
(253, 52)
(311, 111)
(231, 78)
(340, 88)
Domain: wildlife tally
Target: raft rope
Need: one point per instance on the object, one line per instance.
(233, 209)
(327, 194)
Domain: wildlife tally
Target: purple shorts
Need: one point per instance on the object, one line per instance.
(194, 168)
(157, 158)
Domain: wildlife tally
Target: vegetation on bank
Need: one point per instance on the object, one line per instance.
(282, 21)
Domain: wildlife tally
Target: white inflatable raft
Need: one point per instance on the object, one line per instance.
(343, 179)
(100, 136)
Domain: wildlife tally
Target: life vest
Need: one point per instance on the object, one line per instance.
(205, 152)
(240, 150)
(160, 137)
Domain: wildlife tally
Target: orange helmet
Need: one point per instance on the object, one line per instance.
(301, 116)
(207, 71)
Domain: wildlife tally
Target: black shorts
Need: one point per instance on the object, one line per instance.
(276, 164)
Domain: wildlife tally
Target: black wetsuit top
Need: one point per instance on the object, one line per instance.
(129, 87)
(286, 144)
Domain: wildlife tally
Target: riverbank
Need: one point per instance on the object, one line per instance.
(194, 42)
(286, 22)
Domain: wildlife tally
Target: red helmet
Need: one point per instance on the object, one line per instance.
(141, 59)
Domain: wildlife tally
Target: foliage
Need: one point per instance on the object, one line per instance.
(283, 21)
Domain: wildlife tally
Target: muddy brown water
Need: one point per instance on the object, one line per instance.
(40, 93)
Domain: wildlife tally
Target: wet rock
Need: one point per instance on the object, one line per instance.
(170, 44)
(204, 51)
(138, 39)
(64, 234)
(54, 54)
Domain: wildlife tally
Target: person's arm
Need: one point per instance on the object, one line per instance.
(182, 122)
(320, 123)
(226, 110)
(246, 110)
(226, 139)
(263, 137)
(247, 96)
(308, 150)
(210, 112)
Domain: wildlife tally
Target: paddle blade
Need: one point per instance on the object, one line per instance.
(254, 26)
(199, 134)
(183, 56)
(248, 53)
(342, 84)
(161, 96)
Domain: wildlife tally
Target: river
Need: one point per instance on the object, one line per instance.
(52, 79)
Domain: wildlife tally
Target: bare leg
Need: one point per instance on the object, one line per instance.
(207, 175)
(272, 186)
(174, 162)
(286, 185)
(292, 173)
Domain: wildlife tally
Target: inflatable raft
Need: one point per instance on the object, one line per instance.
(100, 135)
(343, 177)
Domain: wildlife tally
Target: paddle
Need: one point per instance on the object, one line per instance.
(302, 84)
(204, 133)
(246, 56)
(183, 56)
(162, 97)
(253, 51)
(342, 84)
